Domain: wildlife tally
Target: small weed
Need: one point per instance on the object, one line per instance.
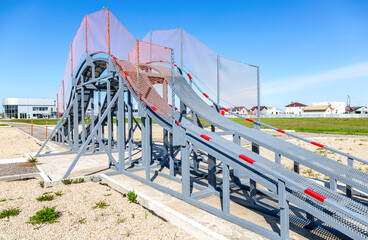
(145, 214)
(102, 214)
(42, 184)
(9, 213)
(101, 204)
(3, 200)
(339, 160)
(46, 215)
(132, 196)
(121, 220)
(59, 193)
(47, 197)
(108, 194)
(45, 193)
(82, 221)
(20, 198)
(327, 178)
(67, 181)
(32, 160)
(128, 232)
(360, 144)
(78, 180)
(133, 215)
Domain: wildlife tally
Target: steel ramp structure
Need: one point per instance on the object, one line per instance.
(202, 163)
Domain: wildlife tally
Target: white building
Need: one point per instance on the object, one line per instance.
(294, 108)
(273, 111)
(29, 107)
(337, 107)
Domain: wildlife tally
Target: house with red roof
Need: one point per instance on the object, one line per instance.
(294, 108)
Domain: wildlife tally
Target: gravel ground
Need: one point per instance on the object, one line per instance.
(78, 219)
(17, 168)
(13, 143)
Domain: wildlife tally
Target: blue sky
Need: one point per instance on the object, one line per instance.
(308, 51)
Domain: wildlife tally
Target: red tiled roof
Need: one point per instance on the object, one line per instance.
(296, 104)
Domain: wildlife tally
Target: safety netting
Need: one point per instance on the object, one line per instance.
(229, 82)
(148, 71)
(99, 32)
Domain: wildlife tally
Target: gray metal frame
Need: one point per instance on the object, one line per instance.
(207, 161)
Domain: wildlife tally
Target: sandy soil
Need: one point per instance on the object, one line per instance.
(78, 219)
(13, 143)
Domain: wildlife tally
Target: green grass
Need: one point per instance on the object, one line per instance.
(9, 213)
(345, 126)
(3, 125)
(45, 197)
(101, 204)
(35, 121)
(46, 215)
(132, 196)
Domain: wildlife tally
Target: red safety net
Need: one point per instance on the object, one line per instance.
(149, 75)
(98, 32)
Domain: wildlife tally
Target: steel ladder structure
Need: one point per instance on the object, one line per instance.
(203, 163)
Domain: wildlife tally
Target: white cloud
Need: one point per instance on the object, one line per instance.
(303, 82)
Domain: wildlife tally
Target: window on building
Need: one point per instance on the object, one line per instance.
(11, 111)
(40, 109)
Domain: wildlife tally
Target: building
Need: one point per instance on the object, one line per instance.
(321, 109)
(294, 108)
(273, 111)
(337, 107)
(254, 110)
(241, 110)
(359, 110)
(29, 108)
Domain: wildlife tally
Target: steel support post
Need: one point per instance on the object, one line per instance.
(252, 183)
(92, 124)
(225, 189)
(120, 121)
(284, 211)
(277, 157)
(296, 167)
(185, 170)
(236, 140)
(109, 122)
(82, 111)
(146, 146)
(171, 156)
(333, 184)
(212, 167)
(349, 189)
(130, 126)
(75, 117)
(99, 131)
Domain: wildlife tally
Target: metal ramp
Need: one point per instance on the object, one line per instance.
(203, 163)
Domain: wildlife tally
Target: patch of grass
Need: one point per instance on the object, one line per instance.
(59, 193)
(121, 220)
(3, 200)
(32, 159)
(47, 197)
(79, 180)
(132, 197)
(9, 213)
(345, 126)
(101, 204)
(67, 181)
(46, 215)
(4, 125)
(108, 195)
